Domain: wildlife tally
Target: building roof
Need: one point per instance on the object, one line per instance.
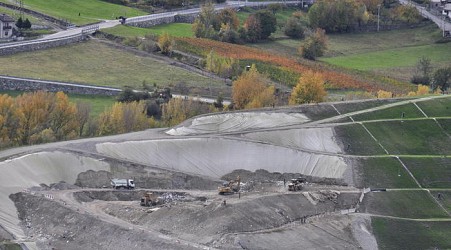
(447, 6)
(6, 19)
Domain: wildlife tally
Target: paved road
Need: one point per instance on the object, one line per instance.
(439, 20)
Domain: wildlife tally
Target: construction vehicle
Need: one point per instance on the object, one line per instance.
(149, 199)
(230, 187)
(296, 184)
(123, 183)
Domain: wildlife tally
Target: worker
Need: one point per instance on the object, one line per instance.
(224, 203)
(284, 182)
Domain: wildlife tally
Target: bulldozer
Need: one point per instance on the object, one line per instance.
(230, 187)
(149, 199)
(296, 184)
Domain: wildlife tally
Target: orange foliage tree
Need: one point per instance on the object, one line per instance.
(251, 90)
(310, 89)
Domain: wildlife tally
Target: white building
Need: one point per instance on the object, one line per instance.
(6, 26)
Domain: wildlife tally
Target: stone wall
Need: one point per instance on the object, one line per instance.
(39, 44)
(143, 23)
(23, 84)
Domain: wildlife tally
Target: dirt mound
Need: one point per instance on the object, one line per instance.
(55, 226)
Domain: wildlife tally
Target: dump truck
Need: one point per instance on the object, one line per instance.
(296, 184)
(123, 183)
(230, 187)
(149, 199)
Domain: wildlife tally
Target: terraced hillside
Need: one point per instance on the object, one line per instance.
(344, 152)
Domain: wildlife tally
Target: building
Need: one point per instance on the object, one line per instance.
(6, 26)
(447, 10)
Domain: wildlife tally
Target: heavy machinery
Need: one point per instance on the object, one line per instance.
(230, 187)
(149, 199)
(123, 183)
(296, 184)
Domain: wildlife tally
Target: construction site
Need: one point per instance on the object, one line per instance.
(268, 179)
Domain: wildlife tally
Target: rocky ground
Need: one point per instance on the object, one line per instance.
(264, 215)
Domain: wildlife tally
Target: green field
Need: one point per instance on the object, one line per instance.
(413, 204)
(405, 235)
(390, 58)
(384, 172)
(409, 110)
(430, 172)
(99, 64)
(81, 11)
(411, 137)
(359, 141)
(440, 107)
(173, 29)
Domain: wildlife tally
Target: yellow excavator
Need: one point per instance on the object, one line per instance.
(149, 199)
(230, 187)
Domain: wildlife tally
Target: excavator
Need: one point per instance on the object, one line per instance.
(230, 187)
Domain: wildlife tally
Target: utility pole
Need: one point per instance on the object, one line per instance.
(443, 25)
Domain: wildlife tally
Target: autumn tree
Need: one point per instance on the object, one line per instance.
(423, 70)
(82, 116)
(222, 66)
(442, 79)
(407, 13)
(294, 28)
(337, 16)
(251, 90)
(123, 118)
(228, 16)
(314, 45)
(177, 110)
(384, 94)
(252, 29)
(34, 110)
(207, 23)
(7, 120)
(165, 43)
(309, 89)
(62, 122)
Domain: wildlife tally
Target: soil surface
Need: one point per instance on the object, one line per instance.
(59, 196)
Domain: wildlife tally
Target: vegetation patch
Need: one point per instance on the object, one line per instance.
(431, 172)
(411, 137)
(438, 107)
(384, 172)
(348, 107)
(444, 197)
(415, 204)
(98, 64)
(403, 234)
(81, 11)
(357, 141)
(405, 111)
(173, 29)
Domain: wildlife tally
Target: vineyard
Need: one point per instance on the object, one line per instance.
(334, 78)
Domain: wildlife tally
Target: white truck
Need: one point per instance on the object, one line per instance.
(123, 183)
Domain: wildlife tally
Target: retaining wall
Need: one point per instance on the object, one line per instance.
(23, 84)
(39, 44)
(142, 23)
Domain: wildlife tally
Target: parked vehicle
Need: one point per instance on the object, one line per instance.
(123, 183)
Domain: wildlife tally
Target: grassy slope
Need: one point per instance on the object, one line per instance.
(406, 204)
(96, 63)
(398, 234)
(430, 172)
(411, 137)
(409, 110)
(384, 172)
(89, 10)
(173, 29)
